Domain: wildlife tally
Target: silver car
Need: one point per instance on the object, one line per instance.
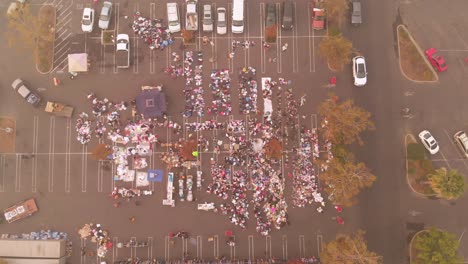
(104, 17)
(356, 15)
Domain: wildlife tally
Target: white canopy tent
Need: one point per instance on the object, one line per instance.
(78, 62)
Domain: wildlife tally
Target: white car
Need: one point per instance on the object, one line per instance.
(88, 20)
(221, 26)
(104, 17)
(429, 142)
(359, 71)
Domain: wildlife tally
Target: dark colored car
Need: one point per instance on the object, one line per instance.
(288, 15)
(270, 15)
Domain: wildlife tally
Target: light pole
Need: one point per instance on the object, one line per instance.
(7, 129)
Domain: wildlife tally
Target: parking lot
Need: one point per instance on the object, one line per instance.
(301, 56)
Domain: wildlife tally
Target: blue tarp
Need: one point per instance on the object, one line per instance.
(155, 175)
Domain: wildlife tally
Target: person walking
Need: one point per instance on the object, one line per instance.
(132, 219)
(285, 47)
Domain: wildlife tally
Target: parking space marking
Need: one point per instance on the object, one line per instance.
(284, 242)
(51, 155)
(216, 246)
(117, 27)
(2, 166)
(136, 43)
(115, 251)
(199, 247)
(18, 173)
(229, 39)
(83, 246)
(445, 159)
(167, 250)
(84, 168)
(34, 151)
(62, 26)
(150, 247)
(262, 33)
(67, 155)
(279, 65)
(251, 247)
(151, 55)
(132, 249)
(295, 43)
(302, 248)
(247, 23)
(268, 253)
(319, 244)
(184, 247)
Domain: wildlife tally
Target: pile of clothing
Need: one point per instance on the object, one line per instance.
(244, 44)
(220, 87)
(83, 128)
(236, 126)
(305, 182)
(207, 125)
(221, 184)
(193, 91)
(247, 90)
(240, 203)
(152, 32)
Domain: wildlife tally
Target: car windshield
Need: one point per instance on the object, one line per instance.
(433, 145)
(361, 70)
(104, 15)
(86, 20)
(427, 136)
(237, 23)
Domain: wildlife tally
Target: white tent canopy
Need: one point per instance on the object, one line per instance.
(78, 62)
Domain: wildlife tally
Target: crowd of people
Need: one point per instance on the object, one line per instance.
(247, 90)
(152, 32)
(220, 87)
(305, 181)
(83, 129)
(99, 236)
(193, 91)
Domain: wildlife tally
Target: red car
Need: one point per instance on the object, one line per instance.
(436, 60)
(318, 15)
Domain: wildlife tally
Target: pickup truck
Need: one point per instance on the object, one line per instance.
(25, 92)
(122, 56)
(191, 18)
(20, 210)
(59, 109)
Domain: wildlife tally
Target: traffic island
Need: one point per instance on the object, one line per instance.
(413, 65)
(434, 244)
(418, 167)
(45, 44)
(7, 135)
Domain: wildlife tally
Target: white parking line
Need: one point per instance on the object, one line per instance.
(302, 247)
(268, 253)
(84, 168)
(51, 155)
(216, 246)
(294, 41)
(319, 244)
(151, 55)
(247, 53)
(67, 156)
(284, 242)
(279, 61)
(167, 248)
(34, 151)
(2, 166)
(135, 48)
(200, 245)
(117, 28)
(251, 247)
(18, 173)
(262, 33)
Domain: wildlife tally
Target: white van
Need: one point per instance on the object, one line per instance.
(237, 16)
(173, 17)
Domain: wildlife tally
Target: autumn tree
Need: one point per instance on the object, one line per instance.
(336, 50)
(447, 184)
(437, 247)
(26, 29)
(336, 10)
(349, 249)
(188, 36)
(273, 149)
(345, 179)
(345, 121)
(187, 147)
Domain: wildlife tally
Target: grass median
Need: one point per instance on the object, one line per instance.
(419, 167)
(45, 45)
(412, 61)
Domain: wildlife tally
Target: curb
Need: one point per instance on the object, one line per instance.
(53, 47)
(413, 139)
(411, 243)
(421, 53)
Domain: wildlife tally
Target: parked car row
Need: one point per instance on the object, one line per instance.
(429, 142)
(208, 20)
(87, 21)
